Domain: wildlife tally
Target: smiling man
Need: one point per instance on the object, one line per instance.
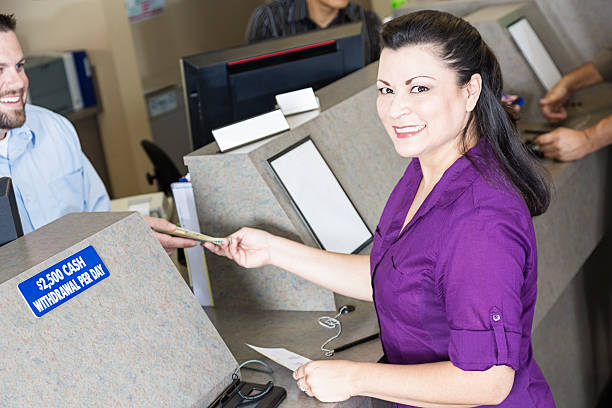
(41, 153)
(40, 150)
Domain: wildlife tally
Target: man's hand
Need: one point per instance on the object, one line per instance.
(169, 242)
(565, 144)
(552, 104)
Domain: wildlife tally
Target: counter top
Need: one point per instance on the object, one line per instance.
(301, 333)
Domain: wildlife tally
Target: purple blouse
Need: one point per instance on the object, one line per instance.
(459, 282)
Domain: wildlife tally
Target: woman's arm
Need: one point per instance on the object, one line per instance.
(348, 275)
(428, 385)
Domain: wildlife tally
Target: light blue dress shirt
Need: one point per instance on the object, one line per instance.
(50, 174)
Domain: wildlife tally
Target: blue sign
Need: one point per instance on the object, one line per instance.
(55, 285)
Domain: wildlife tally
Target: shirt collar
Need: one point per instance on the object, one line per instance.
(23, 133)
(479, 160)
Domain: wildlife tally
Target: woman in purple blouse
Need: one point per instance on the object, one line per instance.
(453, 267)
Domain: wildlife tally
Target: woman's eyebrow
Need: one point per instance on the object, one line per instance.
(408, 81)
(418, 76)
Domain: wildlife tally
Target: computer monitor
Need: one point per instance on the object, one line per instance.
(534, 52)
(10, 223)
(229, 85)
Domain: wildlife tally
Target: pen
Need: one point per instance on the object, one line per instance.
(535, 131)
(356, 342)
(518, 100)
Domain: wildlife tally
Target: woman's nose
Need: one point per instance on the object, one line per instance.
(400, 106)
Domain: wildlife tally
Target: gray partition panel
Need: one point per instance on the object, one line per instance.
(583, 26)
(137, 338)
(570, 230)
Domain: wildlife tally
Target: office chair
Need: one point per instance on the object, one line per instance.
(166, 173)
(164, 170)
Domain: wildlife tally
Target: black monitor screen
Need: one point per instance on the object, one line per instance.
(226, 86)
(10, 223)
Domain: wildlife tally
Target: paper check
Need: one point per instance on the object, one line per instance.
(282, 356)
(183, 233)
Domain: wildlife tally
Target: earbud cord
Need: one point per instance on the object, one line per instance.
(331, 323)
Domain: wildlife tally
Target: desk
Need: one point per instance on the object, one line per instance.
(301, 333)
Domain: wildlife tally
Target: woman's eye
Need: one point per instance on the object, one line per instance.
(385, 91)
(419, 89)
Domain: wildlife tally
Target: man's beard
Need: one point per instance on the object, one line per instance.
(12, 120)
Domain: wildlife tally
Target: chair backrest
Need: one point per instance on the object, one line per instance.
(165, 172)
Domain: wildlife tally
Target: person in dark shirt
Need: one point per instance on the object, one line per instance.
(282, 18)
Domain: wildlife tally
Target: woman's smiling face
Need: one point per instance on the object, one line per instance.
(420, 105)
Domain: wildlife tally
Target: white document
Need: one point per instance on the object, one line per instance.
(282, 356)
(301, 118)
(297, 101)
(320, 199)
(142, 207)
(250, 130)
(196, 263)
(534, 52)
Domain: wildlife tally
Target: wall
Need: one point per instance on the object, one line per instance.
(382, 8)
(100, 27)
(186, 27)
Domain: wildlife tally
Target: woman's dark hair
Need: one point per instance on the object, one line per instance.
(462, 48)
(7, 23)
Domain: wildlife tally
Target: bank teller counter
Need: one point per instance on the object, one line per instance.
(239, 188)
(94, 313)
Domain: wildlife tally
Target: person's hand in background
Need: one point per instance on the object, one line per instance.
(552, 103)
(564, 144)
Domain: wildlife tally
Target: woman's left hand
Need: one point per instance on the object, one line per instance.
(328, 380)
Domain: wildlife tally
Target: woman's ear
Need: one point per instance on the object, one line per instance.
(472, 89)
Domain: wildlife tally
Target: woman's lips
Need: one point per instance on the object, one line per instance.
(403, 132)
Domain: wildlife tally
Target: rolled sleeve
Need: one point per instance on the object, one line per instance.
(481, 276)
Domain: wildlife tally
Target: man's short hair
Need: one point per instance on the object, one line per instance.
(7, 22)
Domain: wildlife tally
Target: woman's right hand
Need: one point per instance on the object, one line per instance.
(248, 247)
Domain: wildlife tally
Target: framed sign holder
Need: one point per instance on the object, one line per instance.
(319, 199)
